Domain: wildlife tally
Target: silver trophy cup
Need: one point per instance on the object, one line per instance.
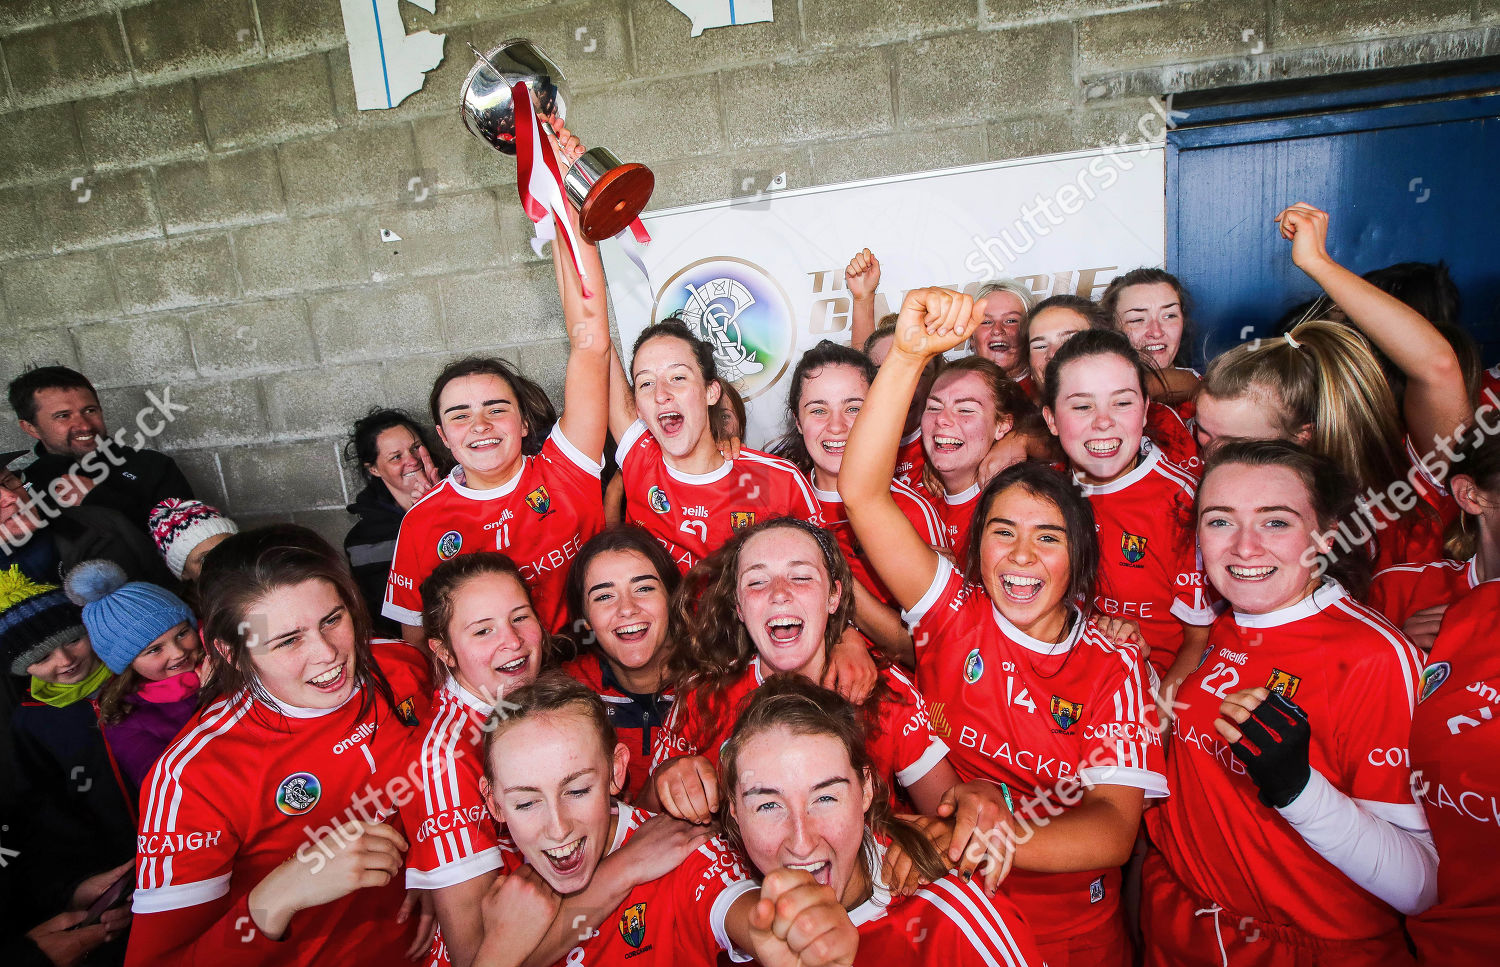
(608, 194)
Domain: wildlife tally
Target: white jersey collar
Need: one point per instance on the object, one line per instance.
(963, 496)
(1321, 597)
(1150, 455)
(298, 712)
(880, 894)
(457, 480)
(1037, 645)
(468, 698)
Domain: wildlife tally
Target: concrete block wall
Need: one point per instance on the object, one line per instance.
(189, 197)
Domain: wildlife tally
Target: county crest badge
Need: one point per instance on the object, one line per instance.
(1065, 713)
(1133, 546)
(740, 519)
(406, 712)
(540, 501)
(633, 924)
(1284, 682)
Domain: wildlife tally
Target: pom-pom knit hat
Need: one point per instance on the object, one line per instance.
(35, 619)
(122, 617)
(178, 526)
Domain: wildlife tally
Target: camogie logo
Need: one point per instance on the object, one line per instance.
(449, 545)
(973, 667)
(298, 793)
(741, 311)
(1433, 676)
(657, 498)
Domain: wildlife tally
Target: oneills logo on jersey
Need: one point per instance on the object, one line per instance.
(298, 793)
(406, 712)
(633, 924)
(740, 519)
(656, 498)
(540, 501)
(1433, 676)
(740, 310)
(1133, 546)
(449, 545)
(973, 667)
(1065, 713)
(937, 718)
(1284, 682)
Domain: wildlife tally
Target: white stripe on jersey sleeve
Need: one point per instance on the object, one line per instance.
(1407, 655)
(629, 440)
(580, 459)
(401, 615)
(158, 899)
(936, 532)
(982, 929)
(930, 597)
(453, 873)
(936, 750)
(720, 911)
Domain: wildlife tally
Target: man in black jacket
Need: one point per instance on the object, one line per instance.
(60, 409)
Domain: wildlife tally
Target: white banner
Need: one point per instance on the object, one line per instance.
(763, 277)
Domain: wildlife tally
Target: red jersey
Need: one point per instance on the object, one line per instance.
(1028, 386)
(917, 508)
(1489, 387)
(956, 511)
(539, 519)
(1356, 677)
(902, 744)
(1401, 591)
(1171, 435)
(948, 922)
(1455, 757)
(638, 719)
(1038, 718)
(456, 838)
(1150, 570)
(693, 515)
(677, 920)
(245, 787)
(910, 459)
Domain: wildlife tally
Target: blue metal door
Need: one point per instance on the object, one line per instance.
(1407, 172)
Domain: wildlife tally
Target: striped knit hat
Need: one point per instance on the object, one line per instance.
(34, 620)
(178, 526)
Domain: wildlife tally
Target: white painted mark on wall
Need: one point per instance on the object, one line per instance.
(389, 65)
(723, 13)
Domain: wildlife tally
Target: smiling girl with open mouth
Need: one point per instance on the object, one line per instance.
(1052, 712)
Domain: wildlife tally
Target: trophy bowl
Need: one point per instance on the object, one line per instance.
(608, 194)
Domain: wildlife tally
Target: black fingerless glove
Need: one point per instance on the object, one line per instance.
(1274, 750)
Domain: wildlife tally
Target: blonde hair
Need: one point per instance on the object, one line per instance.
(1323, 376)
(1012, 286)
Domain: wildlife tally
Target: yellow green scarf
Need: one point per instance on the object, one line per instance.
(61, 696)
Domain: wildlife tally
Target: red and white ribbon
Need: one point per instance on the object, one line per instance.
(540, 185)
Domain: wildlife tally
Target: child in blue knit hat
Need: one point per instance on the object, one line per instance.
(149, 638)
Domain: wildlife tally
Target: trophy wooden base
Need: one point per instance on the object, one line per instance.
(615, 200)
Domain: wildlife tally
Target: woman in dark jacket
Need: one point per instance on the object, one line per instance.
(391, 448)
